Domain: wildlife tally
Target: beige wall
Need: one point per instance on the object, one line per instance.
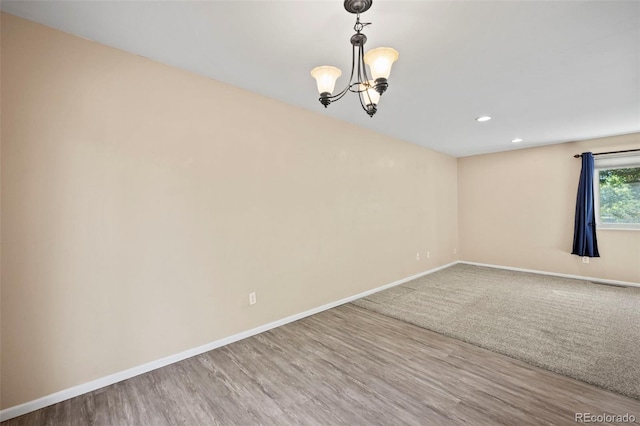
(141, 204)
(517, 209)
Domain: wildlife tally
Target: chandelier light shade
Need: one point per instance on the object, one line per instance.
(368, 86)
(370, 97)
(380, 61)
(326, 77)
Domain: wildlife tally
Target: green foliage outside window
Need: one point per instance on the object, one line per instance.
(620, 195)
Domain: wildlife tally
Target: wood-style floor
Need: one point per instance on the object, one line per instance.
(345, 366)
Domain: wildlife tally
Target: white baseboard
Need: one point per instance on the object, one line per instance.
(54, 398)
(556, 274)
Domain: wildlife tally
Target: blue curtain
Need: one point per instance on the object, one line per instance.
(584, 232)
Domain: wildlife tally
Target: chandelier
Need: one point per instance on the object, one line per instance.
(380, 60)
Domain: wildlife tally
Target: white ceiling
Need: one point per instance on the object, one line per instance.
(546, 71)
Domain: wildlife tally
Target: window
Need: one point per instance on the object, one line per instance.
(617, 191)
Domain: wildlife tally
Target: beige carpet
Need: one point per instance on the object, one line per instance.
(584, 330)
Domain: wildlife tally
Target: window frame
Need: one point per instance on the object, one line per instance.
(612, 162)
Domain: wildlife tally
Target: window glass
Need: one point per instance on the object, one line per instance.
(617, 187)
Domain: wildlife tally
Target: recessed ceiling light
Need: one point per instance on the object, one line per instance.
(516, 140)
(483, 118)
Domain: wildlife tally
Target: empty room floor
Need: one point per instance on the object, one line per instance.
(344, 366)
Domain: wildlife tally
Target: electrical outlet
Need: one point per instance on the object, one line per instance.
(417, 256)
(252, 298)
(585, 259)
(455, 251)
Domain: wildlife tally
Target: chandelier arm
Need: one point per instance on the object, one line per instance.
(355, 87)
(361, 92)
(364, 67)
(360, 96)
(339, 96)
(360, 64)
(353, 62)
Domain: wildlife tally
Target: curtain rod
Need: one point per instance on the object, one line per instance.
(610, 152)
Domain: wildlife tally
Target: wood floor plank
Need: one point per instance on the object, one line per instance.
(345, 366)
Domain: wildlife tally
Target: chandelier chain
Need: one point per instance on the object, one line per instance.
(359, 26)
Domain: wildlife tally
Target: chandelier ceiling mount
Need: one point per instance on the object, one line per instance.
(357, 6)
